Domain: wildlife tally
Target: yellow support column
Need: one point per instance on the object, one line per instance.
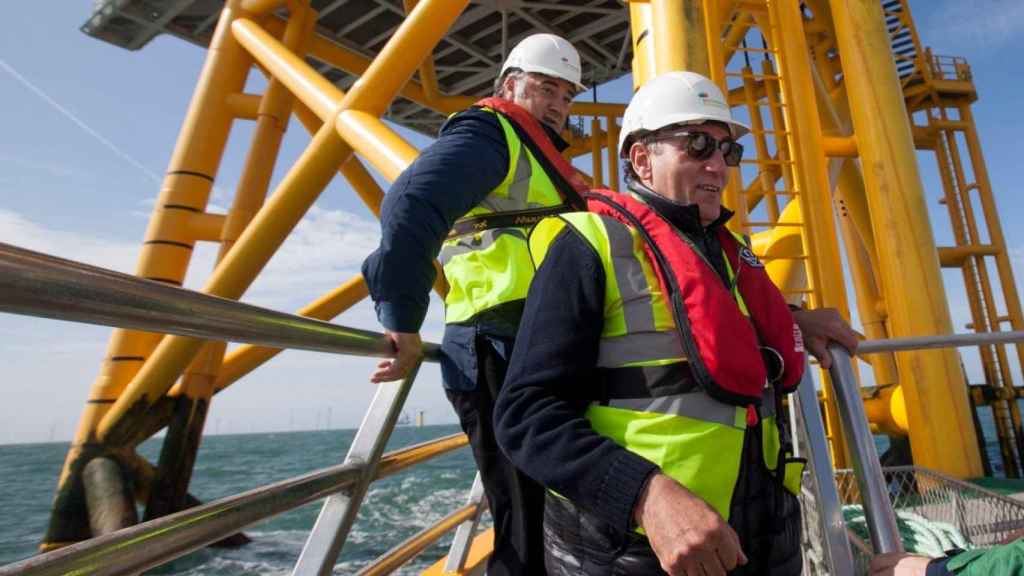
(820, 244)
(418, 34)
(184, 434)
(612, 143)
(165, 256)
(641, 25)
(597, 168)
(941, 432)
(679, 36)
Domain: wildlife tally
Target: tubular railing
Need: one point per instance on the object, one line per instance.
(36, 284)
(878, 511)
(144, 546)
(39, 285)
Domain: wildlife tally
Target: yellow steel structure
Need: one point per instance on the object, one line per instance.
(831, 188)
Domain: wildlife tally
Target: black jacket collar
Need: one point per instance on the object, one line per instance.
(556, 138)
(686, 217)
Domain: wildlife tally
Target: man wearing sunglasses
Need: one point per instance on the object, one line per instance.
(651, 362)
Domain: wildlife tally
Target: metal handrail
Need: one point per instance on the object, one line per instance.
(150, 544)
(830, 513)
(943, 341)
(881, 519)
(411, 547)
(36, 284)
(878, 511)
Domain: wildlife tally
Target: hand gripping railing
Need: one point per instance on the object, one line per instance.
(40, 285)
(878, 511)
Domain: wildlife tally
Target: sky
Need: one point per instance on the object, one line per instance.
(88, 129)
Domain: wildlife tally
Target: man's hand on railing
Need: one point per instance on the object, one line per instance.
(899, 564)
(408, 348)
(820, 328)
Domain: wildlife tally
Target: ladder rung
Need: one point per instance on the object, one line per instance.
(773, 162)
(774, 258)
(776, 224)
(755, 76)
(758, 50)
(752, 131)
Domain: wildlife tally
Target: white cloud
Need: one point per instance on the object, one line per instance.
(20, 231)
(325, 249)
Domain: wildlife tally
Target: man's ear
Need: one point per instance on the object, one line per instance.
(508, 87)
(640, 158)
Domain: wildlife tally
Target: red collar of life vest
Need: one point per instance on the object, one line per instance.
(720, 342)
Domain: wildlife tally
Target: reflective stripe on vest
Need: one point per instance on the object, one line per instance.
(695, 405)
(692, 437)
(493, 267)
(699, 406)
(638, 328)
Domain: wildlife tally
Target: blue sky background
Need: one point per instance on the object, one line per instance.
(88, 128)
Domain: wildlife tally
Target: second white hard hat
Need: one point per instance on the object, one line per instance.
(675, 98)
(546, 54)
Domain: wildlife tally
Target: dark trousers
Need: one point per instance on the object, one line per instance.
(516, 501)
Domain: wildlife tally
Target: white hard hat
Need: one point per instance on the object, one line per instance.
(675, 98)
(546, 54)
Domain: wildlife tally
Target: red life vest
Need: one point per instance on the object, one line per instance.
(567, 179)
(720, 342)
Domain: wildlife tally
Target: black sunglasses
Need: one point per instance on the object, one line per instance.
(701, 145)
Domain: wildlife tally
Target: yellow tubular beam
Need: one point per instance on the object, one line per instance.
(995, 229)
(274, 113)
(865, 286)
(291, 200)
(764, 177)
(247, 357)
(395, 463)
(205, 226)
(888, 411)
(679, 36)
(166, 252)
(353, 63)
(806, 146)
(428, 77)
(415, 38)
(641, 27)
(613, 152)
(713, 45)
(388, 152)
(597, 168)
(395, 559)
(311, 88)
(257, 7)
(836, 146)
(942, 434)
(244, 106)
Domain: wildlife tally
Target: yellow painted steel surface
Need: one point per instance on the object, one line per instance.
(476, 560)
(812, 115)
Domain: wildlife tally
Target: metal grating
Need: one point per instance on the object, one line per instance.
(466, 60)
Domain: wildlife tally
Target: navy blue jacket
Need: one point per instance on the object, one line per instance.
(552, 376)
(456, 172)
